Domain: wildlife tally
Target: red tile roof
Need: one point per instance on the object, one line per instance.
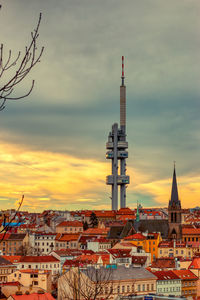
(4, 237)
(65, 237)
(38, 259)
(101, 213)
(126, 244)
(125, 211)
(13, 283)
(117, 253)
(96, 231)
(185, 274)
(171, 244)
(12, 258)
(87, 252)
(68, 252)
(136, 236)
(165, 275)
(190, 231)
(70, 224)
(92, 259)
(163, 263)
(71, 263)
(84, 238)
(101, 240)
(195, 263)
(127, 217)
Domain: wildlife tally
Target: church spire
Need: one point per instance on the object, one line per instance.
(174, 193)
(137, 214)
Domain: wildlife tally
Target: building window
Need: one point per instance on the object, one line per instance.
(118, 289)
(152, 287)
(123, 289)
(147, 287)
(143, 287)
(138, 287)
(128, 289)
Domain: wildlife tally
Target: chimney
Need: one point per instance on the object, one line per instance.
(40, 292)
(18, 293)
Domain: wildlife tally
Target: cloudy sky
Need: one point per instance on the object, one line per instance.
(53, 143)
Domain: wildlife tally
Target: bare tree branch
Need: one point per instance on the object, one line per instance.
(86, 283)
(22, 66)
(6, 226)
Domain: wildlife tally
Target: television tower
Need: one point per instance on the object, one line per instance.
(117, 146)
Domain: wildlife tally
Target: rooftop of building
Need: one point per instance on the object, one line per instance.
(12, 258)
(70, 224)
(38, 259)
(185, 274)
(120, 273)
(165, 275)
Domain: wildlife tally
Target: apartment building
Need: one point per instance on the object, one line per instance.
(35, 278)
(168, 283)
(175, 249)
(70, 227)
(44, 243)
(115, 282)
(6, 268)
(12, 243)
(189, 283)
(47, 262)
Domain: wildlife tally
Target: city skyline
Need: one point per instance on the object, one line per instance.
(53, 143)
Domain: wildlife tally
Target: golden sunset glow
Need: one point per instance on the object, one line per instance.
(61, 181)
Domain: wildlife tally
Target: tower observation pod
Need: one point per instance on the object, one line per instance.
(117, 153)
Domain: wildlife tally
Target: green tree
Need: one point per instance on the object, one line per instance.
(85, 225)
(93, 220)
